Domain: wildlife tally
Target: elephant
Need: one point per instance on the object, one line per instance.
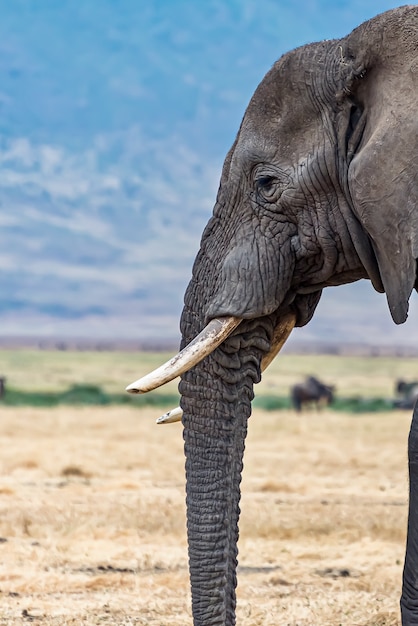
(320, 188)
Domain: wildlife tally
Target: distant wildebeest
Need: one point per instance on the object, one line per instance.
(311, 391)
(407, 393)
(2, 386)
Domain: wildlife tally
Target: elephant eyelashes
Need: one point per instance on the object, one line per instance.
(266, 184)
(269, 188)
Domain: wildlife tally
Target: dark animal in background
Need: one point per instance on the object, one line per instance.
(311, 392)
(2, 386)
(407, 393)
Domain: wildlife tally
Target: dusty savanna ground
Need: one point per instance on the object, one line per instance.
(92, 519)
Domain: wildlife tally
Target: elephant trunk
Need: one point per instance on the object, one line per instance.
(214, 447)
(216, 403)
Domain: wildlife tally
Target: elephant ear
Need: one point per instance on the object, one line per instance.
(379, 72)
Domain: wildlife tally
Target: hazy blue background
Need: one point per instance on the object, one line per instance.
(115, 117)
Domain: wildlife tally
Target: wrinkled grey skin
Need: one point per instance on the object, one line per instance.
(320, 188)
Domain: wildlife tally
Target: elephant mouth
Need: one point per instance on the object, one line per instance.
(215, 333)
(342, 278)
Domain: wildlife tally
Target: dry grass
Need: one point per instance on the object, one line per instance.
(56, 371)
(352, 375)
(35, 370)
(92, 519)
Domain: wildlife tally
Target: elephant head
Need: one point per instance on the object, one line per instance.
(319, 188)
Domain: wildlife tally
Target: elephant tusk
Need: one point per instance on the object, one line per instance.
(206, 342)
(280, 336)
(170, 417)
(174, 415)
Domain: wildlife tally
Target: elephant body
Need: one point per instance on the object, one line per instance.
(319, 188)
(311, 391)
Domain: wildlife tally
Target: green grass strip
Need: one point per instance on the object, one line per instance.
(94, 396)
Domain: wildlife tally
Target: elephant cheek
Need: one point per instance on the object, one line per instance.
(253, 282)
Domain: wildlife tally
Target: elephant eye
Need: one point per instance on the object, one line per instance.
(267, 187)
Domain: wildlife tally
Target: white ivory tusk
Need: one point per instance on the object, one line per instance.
(170, 417)
(280, 336)
(174, 415)
(206, 342)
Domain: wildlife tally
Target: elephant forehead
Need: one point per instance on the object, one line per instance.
(280, 137)
(265, 131)
(291, 98)
(255, 145)
(282, 119)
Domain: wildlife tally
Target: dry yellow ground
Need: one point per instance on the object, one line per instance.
(92, 519)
